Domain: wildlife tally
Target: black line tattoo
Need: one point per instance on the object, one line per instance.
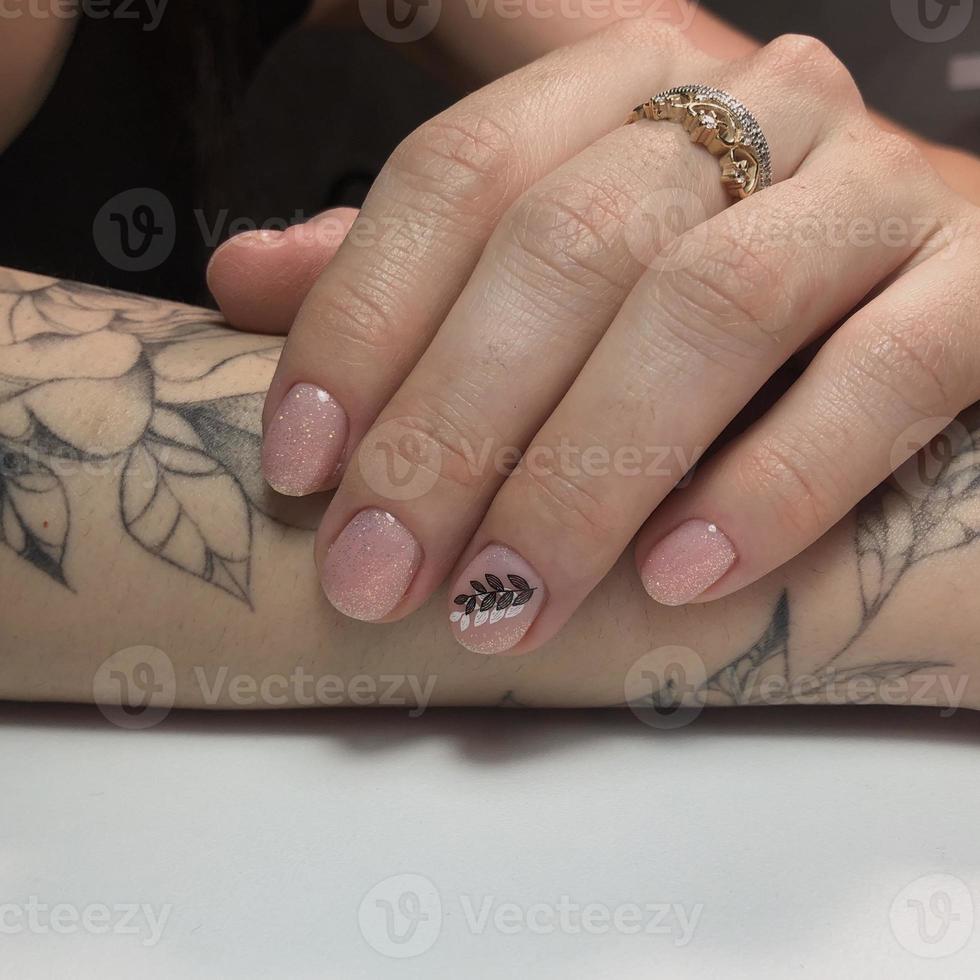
(179, 398)
(917, 515)
(929, 508)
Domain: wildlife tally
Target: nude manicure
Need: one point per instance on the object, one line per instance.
(370, 566)
(304, 442)
(495, 601)
(687, 562)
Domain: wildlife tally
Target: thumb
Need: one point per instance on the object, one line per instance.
(260, 278)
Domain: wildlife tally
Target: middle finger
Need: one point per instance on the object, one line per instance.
(551, 280)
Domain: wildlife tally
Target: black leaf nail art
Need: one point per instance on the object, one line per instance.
(494, 595)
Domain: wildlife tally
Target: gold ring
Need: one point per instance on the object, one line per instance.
(721, 123)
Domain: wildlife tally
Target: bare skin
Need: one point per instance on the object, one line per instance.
(133, 515)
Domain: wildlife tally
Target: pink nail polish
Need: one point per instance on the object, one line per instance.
(370, 566)
(304, 442)
(686, 562)
(495, 601)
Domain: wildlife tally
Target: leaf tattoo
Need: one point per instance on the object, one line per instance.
(182, 505)
(492, 602)
(34, 513)
(738, 682)
(185, 396)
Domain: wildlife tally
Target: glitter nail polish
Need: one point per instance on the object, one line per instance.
(304, 442)
(370, 566)
(687, 562)
(495, 601)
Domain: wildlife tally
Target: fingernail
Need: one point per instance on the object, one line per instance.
(686, 562)
(370, 566)
(495, 600)
(304, 442)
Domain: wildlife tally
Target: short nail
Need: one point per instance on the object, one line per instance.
(304, 442)
(495, 601)
(686, 562)
(370, 566)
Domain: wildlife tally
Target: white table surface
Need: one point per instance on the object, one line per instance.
(751, 843)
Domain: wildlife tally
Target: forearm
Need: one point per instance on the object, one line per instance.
(133, 515)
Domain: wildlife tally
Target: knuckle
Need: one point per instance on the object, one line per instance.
(361, 319)
(446, 437)
(914, 363)
(773, 471)
(566, 228)
(905, 158)
(652, 30)
(722, 304)
(807, 62)
(464, 161)
(564, 499)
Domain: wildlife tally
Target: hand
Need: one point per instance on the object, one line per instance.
(514, 236)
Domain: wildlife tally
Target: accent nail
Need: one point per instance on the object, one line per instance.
(370, 566)
(495, 601)
(304, 442)
(687, 562)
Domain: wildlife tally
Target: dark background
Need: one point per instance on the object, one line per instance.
(310, 117)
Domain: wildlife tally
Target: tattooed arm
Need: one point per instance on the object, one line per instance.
(132, 516)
